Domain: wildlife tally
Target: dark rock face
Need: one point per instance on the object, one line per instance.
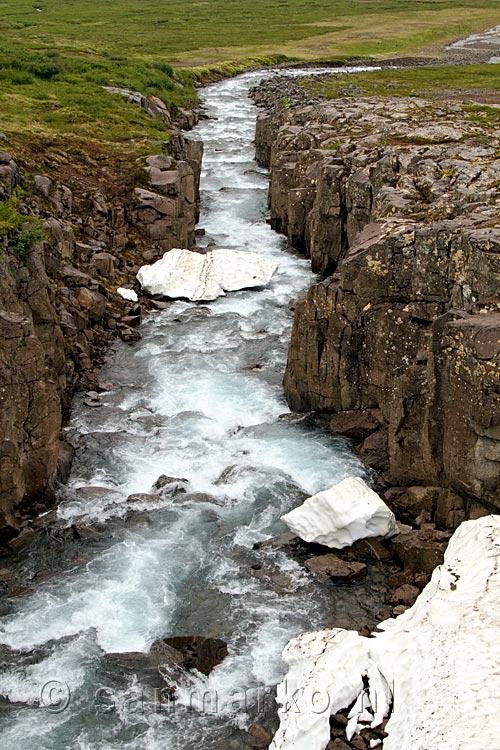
(59, 309)
(405, 329)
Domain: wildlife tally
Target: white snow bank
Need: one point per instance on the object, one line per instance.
(128, 294)
(440, 661)
(337, 517)
(205, 276)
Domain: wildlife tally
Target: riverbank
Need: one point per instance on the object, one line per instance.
(394, 199)
(63, 254)
(375, 350)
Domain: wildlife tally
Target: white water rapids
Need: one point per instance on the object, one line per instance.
(202, 391)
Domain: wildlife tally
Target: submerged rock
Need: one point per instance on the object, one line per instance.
(337, 517)
(197, 276)
(435, 670)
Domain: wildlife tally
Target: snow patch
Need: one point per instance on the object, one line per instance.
(438, 662)
(205, 276)
(128, 294)
(337, 517)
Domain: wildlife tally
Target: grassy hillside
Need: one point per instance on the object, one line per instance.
(55, 55)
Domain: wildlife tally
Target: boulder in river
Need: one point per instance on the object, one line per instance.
(168, 486)
(190, 651)
(205, 276)
(337, 517)
(184, 652)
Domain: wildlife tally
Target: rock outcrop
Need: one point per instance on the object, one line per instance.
(205, 276)
(396, 203)
(59, 308)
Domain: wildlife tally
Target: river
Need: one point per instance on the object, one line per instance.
(199, 397)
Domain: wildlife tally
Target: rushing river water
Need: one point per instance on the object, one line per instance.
(201, 392)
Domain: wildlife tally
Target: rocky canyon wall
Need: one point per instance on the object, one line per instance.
(396, 202)
(59, 309)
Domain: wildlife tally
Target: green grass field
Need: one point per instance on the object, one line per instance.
(55, 55)
(419, 81)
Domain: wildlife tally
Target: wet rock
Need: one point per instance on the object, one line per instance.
(159, 304)
(233, 472)
(272, 576)
(46, 520)
(16, 591)
(92, 402)
(105, 386)
(95, 493)
(89, 532)
(197, 652)
(288, 539)
(132, 321)
(9, 526)
(200, 497)
(23, 540)
(171, 485)
(64, 461)
(405, 594)
(331, 567)
(138, 665)
(143, 497)
(127, 334)
(7, 576)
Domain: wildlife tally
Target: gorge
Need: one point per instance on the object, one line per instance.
(187, 453)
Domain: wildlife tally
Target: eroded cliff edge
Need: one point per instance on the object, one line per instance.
(98, 222)
(396, 202)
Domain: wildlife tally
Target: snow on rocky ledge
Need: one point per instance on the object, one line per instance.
(337, 517)
(205, 276)
(439, 662)
(127, 294)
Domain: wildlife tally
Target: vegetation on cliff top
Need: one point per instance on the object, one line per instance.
(55, 56)
(20, 231)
